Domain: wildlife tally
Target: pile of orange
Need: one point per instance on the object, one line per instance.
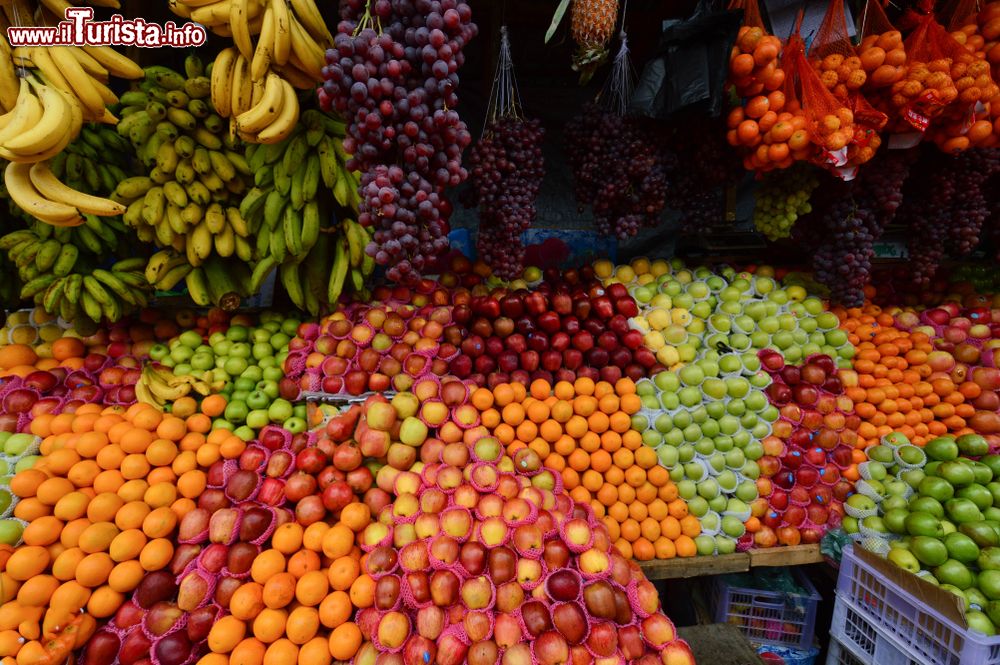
(102, 503)
(21, 359)
(297, 605)
(894, 386)
(582, 430)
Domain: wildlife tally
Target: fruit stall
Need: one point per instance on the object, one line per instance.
(433, 332)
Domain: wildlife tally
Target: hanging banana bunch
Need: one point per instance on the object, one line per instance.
(299, 182)
(67, 282)
(254, 84)
(188, 204)
(81, 72)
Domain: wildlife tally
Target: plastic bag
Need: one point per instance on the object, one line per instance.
(832, 54)
(688, 68)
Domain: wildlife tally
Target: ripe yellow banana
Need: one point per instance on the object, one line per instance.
(49, 186)
(90, 64)
(8, 77)
(222, 79)
(264, 112)
(241, 86)
(239, 18)
(309, 54)
(27, 112)
(114, 62)
(81, 83)
(17, 178)
(264, 53)
(282, 32)
(49, 129)
(283, 125)
(312, 20)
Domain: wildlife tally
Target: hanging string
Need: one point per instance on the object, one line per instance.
(505, 98)
(617, 93)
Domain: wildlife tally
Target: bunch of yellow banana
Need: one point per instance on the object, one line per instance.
(301, 186)
(37, 191)
(197, 173)
(254, 84)
(82, 72)
(219, 282)
(65, 282)
(159, 386)
(42, 123)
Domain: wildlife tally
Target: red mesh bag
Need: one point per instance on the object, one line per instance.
(882, 53)
(832, 54)
(751, 13)
(830, 122)
(753, 64)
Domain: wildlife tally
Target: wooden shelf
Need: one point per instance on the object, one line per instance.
(740, 562)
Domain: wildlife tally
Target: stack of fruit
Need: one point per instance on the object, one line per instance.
(18, 452)
(935, 513)
(243, 364)
(583, 431)
(811, 446)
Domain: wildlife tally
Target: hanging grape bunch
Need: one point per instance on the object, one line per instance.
(945, 204)
(849, 218)
(618, 168)
(393, 75)
(506, 168)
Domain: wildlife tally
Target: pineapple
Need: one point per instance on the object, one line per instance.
(592, 25)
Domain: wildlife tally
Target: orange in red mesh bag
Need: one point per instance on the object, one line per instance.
(753, 63)
(830, 122)
(881, 51)
(771, 132)
(833, 56)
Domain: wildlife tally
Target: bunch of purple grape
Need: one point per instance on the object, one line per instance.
(945, 204)
(618, 170)
(506, 168)
(848, 219)
(392, 74)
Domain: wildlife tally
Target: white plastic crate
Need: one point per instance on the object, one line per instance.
(877, 611)
(855, 640)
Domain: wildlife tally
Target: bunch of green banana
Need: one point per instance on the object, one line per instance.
(66, 282)
(300, 184)
(158, 386)
(220, 282)
(197, 174)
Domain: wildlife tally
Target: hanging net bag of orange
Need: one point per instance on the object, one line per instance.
(978, 128)
(829, 121)
(754, 68)
(842, 72)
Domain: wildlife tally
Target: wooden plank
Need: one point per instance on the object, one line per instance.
(797, 555)
(698, 566)
(741, 562)
(719, 644)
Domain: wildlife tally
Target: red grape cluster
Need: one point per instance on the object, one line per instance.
(843, 260)
(618, 170)
(393, 75)
(506, 168)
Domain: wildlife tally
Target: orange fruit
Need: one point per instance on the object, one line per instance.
(345, 640)
(225, 634)
(311, 588)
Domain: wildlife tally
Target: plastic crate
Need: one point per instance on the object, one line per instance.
(861, 642)
(768, 617)
(871, 607)
(839, 653)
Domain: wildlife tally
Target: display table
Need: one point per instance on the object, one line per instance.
(719, 644)
(739, 562)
